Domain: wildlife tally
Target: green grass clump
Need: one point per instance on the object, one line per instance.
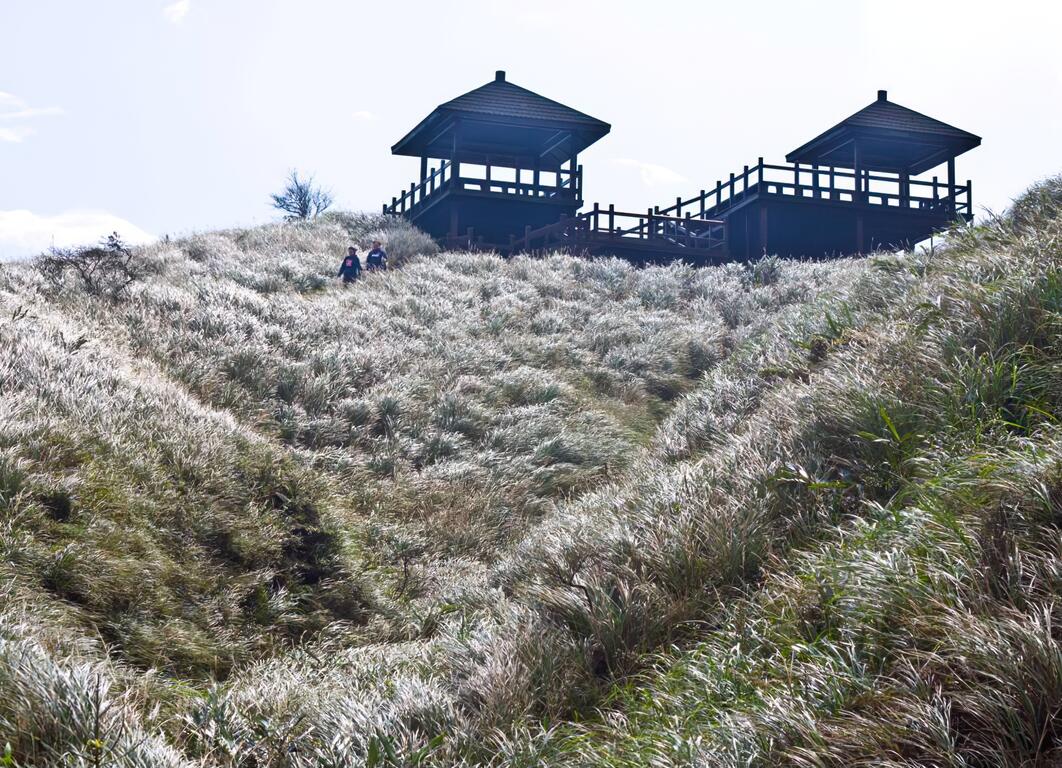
(548, 511)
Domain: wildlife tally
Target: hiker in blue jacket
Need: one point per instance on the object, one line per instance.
(377, 258)
(351, 266)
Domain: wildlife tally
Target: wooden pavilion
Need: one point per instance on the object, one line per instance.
(493, 162)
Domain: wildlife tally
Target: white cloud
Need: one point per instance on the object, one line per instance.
(28, 112)
(364, 116)
(653, 175)
(16, 134)
(175, 12)
(24, 233)
(15, 110)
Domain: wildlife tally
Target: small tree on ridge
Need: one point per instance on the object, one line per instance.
(301, 199)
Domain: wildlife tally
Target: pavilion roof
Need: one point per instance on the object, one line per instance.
(891, 137)
(506, 116)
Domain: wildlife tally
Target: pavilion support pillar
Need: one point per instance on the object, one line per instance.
(905, 190)
(453, 221)
(455, 166)
(763, 230)
(744, 220)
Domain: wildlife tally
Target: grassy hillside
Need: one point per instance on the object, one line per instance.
(530, 512)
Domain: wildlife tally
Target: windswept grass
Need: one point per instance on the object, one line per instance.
(535, 512)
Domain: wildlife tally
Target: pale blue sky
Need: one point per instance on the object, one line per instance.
(164, 116)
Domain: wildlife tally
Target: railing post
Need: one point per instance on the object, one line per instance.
(597, 215)
(718, 192)
(611, 217)
(678, 206)
(412, 194)
(730, 197)
(936, 193)
(745, 182)
(759, 168)
(952, 194)
(702, 203)
(648, 223)
(969, 196)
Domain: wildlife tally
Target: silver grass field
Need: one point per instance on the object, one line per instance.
(537, 511)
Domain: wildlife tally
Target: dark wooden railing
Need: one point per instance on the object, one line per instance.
(826, 183)
(602, 227)
(568, 184)
(418, 193)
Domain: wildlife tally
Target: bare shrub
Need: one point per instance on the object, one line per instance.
(107, 269)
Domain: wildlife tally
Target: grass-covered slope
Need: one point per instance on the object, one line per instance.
(534, 512)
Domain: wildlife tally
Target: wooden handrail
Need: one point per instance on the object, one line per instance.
(568, 182)
(823, 180)
(657, 217)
